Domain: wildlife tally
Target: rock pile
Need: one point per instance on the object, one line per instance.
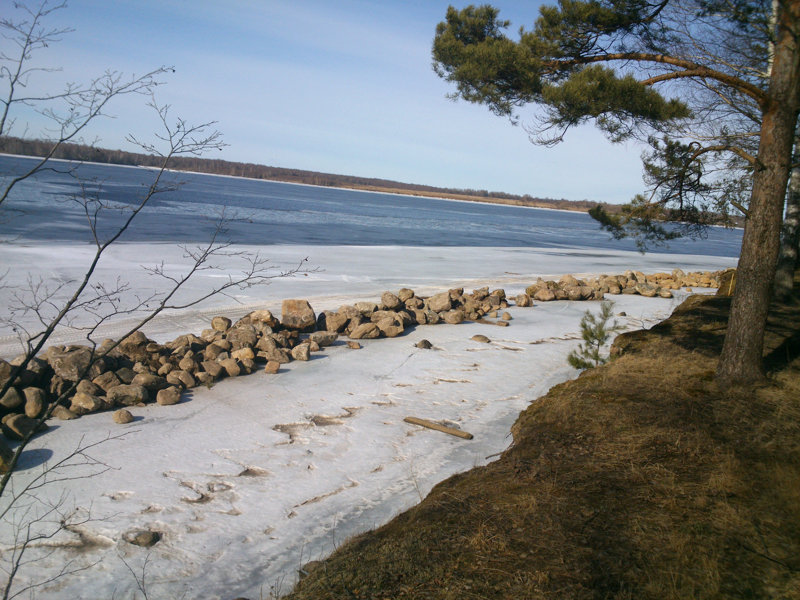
(631, 282)
(137, 370)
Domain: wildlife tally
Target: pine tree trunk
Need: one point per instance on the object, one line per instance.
(741, 359)
(790, 233)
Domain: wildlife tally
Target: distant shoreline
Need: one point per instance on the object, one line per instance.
(365, 189)
(89, 154)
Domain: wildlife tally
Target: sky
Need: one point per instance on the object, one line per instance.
(341, 87)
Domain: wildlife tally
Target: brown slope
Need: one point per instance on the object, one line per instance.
(640, 479)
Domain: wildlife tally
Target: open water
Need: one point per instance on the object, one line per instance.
(48, 208)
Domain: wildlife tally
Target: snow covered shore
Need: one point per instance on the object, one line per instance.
(258, 475)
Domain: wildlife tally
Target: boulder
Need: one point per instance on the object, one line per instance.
(366, 308)
(390, 302)
(440, 302)
(168, 396)
(213, 350)
(453, 317)
(272, 367)
(418, 316)
(134, 346)
(35, 402)
(247, 366)
(122, 416)
(35, 373)
(569, 281)
(332, 321)
(137, 338)
(506, 316)
(213, 368)
(405, 294)
(390, 326)
(187, 342)
(187, 363)
(264, 317)
(12, 399)
(647, 290)
(245, 353)
(301, 352)
(523, 300)
(578, 292)
(414, 302)
(231, 366)
(6, 369)
(365, 331)
(298, 315)
(91, 388)
(72, 363)
(17, 427)
(354, 345)
(727, 283)
(62, 413)
(128, 394)
(278, 355)
(544, 295)
(107, 380)
(142, 537)
(323, 338)
(432, 318)
(165, 369)
(481, 338)
(6, 456)
(480, 293)
(153, 383)
(221, 323)
(125, 374)
(424, 345)
(349, 311)
(242, 336)
(83, 404)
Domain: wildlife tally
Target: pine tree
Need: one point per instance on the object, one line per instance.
(596, 330)
(633, 67)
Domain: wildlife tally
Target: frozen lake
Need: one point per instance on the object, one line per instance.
(266, 212)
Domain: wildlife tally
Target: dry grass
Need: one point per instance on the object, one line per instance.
(640, 479)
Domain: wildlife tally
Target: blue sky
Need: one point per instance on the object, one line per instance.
(343, 87)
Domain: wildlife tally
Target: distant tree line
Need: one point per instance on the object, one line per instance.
(82, 152)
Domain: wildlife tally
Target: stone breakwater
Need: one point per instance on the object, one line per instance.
(65, 382)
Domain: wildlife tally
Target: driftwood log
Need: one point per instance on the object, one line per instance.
(438, 427)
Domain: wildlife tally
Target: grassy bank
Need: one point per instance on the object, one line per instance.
(640, 479)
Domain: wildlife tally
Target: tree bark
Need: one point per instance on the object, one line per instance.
(790, 233)
(741, 361)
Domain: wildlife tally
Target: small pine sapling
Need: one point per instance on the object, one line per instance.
(595, 330)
